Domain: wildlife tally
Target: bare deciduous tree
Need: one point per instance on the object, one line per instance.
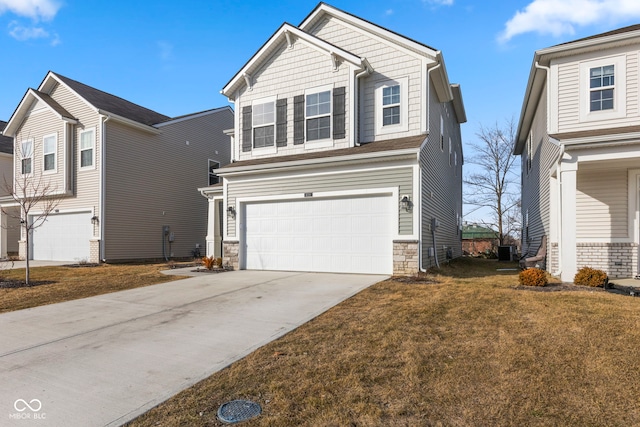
(34, 195)
(495, 183)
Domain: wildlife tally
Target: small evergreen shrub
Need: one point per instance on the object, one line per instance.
(588, 276)
(533, 277)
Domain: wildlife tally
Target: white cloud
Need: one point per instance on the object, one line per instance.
(22, 33)
(166, 50)
(440, 2)
(35, 9)
(388, 12)
(561, 17)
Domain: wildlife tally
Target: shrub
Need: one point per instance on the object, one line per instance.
(218, 262)
(209, 262)
(533, 277)
(588, 276)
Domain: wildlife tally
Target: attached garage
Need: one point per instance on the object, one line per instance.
(341, 235)
(63, 237)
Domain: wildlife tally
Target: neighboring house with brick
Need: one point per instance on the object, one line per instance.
(477, 239)
(579, 141)
(9, 224)
(125, 173)
(347, 154)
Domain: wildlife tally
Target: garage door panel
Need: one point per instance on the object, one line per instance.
(352, 235)
(63, 237)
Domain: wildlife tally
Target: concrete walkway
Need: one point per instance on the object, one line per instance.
(104, 360)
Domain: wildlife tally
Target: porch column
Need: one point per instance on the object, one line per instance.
(211, 227)
(568, 247)
(4, 230)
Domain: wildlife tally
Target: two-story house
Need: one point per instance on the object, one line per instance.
(9, 222)
(347, 153)
(123, 173)
(579, 141)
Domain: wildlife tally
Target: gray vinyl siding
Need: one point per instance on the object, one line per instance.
(389, 63)
(571, 91)
(152, 180)
(286, 74)
(298, 184)
(441, 189)
(536, 182)
(602, 204)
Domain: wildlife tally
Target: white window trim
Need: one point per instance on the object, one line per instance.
(619, 89)
(441, 133)
(55, 154)
(272, 149)
(93, 148)
(403, 126)
(529, 152)
(23, 157)
(319, 143)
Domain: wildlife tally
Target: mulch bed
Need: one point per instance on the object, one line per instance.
(12, 284)
(414, 280)
(557, 287)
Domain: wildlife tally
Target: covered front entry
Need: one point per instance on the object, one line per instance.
(340, 235)
(63, 237)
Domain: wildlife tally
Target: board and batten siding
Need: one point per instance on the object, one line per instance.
(152, 181)
(441, 189)
(602, 204)
(298, 184)
(536, 182)
(571, 93)
(286, 74)
(388, 62)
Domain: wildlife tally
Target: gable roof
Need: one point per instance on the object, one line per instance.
(6, 143)
(475, 231)
(31, 96)
(542, 58)
(110, 103)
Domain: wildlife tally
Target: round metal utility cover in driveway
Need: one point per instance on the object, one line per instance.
(338, 235)
(63, 237)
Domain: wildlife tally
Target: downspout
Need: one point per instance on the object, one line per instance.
(356, 116)
(429, 70)
(103, 164)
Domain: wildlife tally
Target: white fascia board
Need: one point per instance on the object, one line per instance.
(20, 113)
(535, 85)
(194, 116)
(53, 76)
(280, 35)
(130, 122)
(372, 28)
(458, 104)
(603, 140)
(210, 192)
(441, 81)
(354, 158)
(574, 48)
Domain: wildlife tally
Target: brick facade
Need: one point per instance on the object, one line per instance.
(230, 252)
(94, 251)
(552, 259)
(405, 257)
(618, 260)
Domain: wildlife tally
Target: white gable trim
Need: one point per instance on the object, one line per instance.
(44, 88)
(289, 34)
(23, 110)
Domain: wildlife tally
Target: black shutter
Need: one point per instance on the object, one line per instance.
(298, 119)
(281, 122)
(339, 131)
(246, 129)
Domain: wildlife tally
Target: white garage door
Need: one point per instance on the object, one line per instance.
(63, 237)
(348, 235)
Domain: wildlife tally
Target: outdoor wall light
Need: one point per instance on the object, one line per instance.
(94, 220)
(231, 211)
(406, 203)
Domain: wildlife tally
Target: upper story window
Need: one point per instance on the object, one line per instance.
(601, 84)
(26, 151)
(49, 150)
(603, 88)
(264, 124)
(87, 148)
(318, 115)
(213, 178)
(392, 106)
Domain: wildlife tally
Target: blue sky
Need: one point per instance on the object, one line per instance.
(174, 57)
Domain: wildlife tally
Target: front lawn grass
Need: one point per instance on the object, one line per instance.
(468, 350)
(69, 283)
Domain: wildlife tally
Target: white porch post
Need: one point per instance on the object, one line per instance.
(211, 227)
(3, 235)
(568, 246)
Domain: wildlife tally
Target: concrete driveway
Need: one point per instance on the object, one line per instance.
(102, 361)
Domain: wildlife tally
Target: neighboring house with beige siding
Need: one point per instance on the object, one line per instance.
(9, 224)
(347, 154)
(125, 173)
(579, 141)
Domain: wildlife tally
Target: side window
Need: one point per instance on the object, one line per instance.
(318, 115)
(87, 148)
(213, 178)
(601, 87)
(26, 151)
(49, 151)
(529, 151)
(264, 124)
(392, 106)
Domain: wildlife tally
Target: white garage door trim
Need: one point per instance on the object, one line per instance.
(63, 236)
(351, 233)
